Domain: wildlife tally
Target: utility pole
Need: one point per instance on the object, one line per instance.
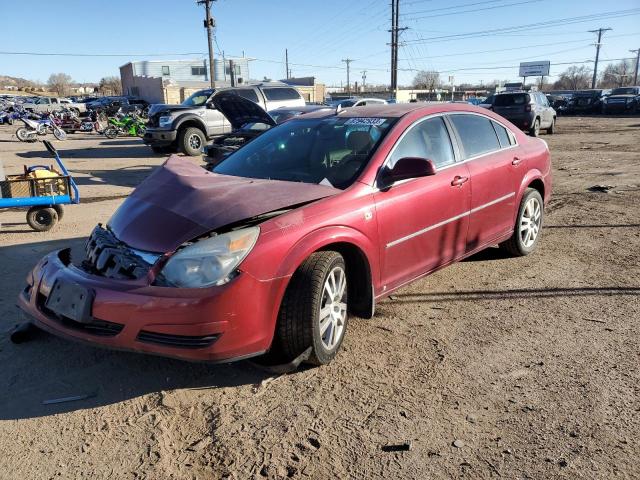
(286, 61)
(364, 79)
(635, 75)
(395, 30)
(209, 23)
(595, 66)
(348, 62)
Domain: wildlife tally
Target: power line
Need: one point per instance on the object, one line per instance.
(531, 26)
(493, 7)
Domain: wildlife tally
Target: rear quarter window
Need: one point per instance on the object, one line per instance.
(506, 140)
(281, 93)
(476, 134)
(248, 93)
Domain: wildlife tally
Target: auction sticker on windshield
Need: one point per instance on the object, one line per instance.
(365, 121)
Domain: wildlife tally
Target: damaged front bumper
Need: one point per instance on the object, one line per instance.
(221, 323)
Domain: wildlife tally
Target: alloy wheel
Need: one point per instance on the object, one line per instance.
(333, 308)
(530, 222)
(195, 142)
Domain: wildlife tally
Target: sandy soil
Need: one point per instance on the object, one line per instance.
(529, 365)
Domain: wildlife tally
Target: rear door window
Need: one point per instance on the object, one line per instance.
(280, 93)
(476, 134)
(428, 139)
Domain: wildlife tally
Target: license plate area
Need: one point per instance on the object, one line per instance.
(71, 300)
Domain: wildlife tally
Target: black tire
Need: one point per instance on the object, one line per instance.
(60, 211)
(42, 219)
(552, 129)
(299, 317)
(516, 245)
(534, 131)
(191, 141)
(111, 132)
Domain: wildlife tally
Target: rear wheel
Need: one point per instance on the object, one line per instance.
(534, 131)
(111, 132)
(314, 309)
(191, 141)
(42, 219)
(25, 135)
(528, 224)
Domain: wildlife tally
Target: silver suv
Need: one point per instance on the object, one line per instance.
(530, 111)
(187, 127)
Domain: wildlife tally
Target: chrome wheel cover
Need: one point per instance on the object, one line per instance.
(530, 221)
(333, 308)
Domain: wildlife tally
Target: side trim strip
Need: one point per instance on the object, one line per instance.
(449, 220)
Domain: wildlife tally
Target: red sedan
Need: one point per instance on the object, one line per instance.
(311, 222)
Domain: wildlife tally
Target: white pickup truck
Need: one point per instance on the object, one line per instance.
(49, 104)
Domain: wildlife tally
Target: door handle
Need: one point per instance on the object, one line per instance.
(516, 161)
(458, 181)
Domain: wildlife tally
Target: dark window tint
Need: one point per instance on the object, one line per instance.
(476, 134)
(510, 100)
(428, 139)
(503, 136)
(165, 70)
(248, 93)
(281, 94)
(198, 71)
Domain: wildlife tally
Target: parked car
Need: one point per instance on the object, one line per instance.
(357, 102)
(53, 104)
(530, 111)
(248, 120)
(487, 102)
(585, 101)
(313, 221)
(187, 127)
(109, 105)
(622, 100)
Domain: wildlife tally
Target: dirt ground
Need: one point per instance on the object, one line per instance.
(529, 365)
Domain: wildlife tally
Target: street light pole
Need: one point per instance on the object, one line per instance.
(209, 23)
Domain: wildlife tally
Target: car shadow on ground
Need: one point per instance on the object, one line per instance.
(138, 150)
(49, 368)
(130, 176)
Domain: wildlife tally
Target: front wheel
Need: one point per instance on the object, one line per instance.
(59, 134)
(42, 219)
(552, 129)
(191, 141)
(528, 224)
(314, 309)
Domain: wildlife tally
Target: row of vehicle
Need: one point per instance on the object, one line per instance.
(592, 101)
(80, 105)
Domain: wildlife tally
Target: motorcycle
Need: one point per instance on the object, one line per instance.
(33, 128)
(125, 125)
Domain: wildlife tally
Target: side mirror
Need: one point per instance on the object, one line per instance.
(210, 106)
(406, 168)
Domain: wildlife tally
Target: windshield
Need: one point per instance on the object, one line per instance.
(198, 98)
(624, 91)
(327, 151)
(510, 100)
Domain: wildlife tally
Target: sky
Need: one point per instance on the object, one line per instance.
(455, 37)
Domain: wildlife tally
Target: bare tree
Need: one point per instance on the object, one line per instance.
(617, 75)
(427, 79)
(59, 82)
(574, 78)
(110, 86)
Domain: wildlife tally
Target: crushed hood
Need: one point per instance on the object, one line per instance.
(181, 201)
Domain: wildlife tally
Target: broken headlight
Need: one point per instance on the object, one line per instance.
(211, 261)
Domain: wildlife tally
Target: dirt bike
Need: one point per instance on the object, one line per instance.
(125, 125)
(43, 126)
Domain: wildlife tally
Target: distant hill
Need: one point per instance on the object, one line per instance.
(6, 80)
